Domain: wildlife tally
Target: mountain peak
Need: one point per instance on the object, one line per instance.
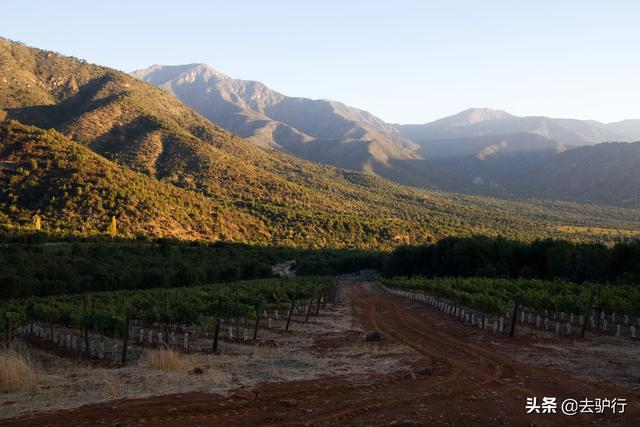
(477, 115)
(158, 74)
(315, 129)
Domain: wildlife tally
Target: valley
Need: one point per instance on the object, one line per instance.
(324, 226)
(235, 190)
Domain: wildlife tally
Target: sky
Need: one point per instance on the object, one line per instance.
(404, 61)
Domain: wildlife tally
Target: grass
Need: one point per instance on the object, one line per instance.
(113, 388)
(16, 370)
(168, 359)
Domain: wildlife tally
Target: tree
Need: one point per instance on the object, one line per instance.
(37, 222)
(113, 227)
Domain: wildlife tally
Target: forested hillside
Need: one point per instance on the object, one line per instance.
(203, 182)
(72, 190)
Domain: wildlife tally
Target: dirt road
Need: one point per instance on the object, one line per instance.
(457, 380)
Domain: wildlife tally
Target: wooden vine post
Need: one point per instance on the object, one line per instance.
(166, 319)
(216, 332)
(327, 293)
(306, 319)
(7, 328)
(334, 290)
(293, 304)
(255, 327)
(237, 314)
(125, 339)
(318, 303)
(51, 319)
(84, 325)
(599, 306)
(514, 319)
(586, 315)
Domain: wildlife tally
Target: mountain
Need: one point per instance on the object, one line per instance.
(319, 130)
(443, 154)
(483, 147)
(491, 152)
(116, 145)
(591, 131)
(607, 172)
(601, 173)
(476, 122)
(629, 128)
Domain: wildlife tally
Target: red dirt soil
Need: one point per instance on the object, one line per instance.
(456, 381)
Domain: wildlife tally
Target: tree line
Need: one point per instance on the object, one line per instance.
(502, 258)
(41, 268)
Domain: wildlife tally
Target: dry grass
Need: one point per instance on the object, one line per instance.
(16, 370)
(113, 388)
(168, 359)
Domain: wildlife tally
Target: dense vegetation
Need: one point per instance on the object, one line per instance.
(31, 265)
(543, 259)
(497, 296)
(489, 275)
(176, 174)
(84, 266)
(106, 312)
(75, 191)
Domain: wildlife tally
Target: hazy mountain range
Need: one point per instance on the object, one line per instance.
(476, 150)
(476, 122)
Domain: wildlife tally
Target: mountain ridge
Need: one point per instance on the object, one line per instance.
(484, 121)
(271, 119)
(143, 130)
(434, 155)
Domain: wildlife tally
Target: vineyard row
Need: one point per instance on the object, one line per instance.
(497, 304)
(115, 326)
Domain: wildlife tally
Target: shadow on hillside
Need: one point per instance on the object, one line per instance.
(53, 116)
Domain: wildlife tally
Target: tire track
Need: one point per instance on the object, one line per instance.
(468, 384)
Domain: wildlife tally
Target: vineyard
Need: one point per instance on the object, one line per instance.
(182, 318)
(546, 305)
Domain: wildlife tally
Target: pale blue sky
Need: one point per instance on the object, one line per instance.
(405, 61)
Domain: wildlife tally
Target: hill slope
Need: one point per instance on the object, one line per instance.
(483, 147)
(267, 196)
(318, 130)
(76, 191)
(629, 128)
(603, 172)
